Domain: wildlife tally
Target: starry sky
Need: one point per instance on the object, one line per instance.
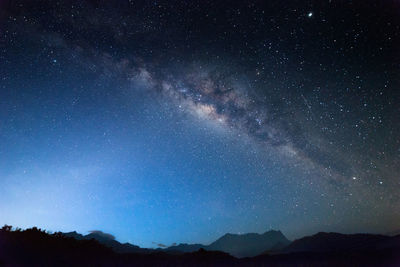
(180, 121)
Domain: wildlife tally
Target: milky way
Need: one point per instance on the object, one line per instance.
(178, 121)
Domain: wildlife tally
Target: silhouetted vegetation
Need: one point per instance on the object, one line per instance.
(36, 247)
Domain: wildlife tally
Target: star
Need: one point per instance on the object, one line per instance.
(169, 113)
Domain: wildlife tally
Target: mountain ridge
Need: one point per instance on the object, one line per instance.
(323, 242)
(238, 245)
(253, 244)
(109, 241)
(249, 244)
(38, 247)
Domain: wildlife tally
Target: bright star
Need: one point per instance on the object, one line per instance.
(310, 14)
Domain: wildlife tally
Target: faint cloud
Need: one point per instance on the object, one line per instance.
(102, 234)
(160, 245)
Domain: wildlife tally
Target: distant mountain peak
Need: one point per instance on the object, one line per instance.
(109, 241)
(240, 245)
(324, 241)
(249, 244)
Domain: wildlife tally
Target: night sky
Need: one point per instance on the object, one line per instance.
(180, 121)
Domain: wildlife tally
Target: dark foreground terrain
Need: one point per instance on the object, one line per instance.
(34, 247)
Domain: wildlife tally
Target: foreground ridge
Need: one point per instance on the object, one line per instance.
(37, 247)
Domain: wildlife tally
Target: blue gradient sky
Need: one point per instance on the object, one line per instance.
(156, 133)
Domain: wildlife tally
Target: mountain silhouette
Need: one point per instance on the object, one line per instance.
(249, 245)
(185, 247)
(36, 247)
(240, 245)
(333, 242)
(253, 244)
(109, 241)
(393, 233)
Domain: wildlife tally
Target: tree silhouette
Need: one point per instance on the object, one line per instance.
(6, 228)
